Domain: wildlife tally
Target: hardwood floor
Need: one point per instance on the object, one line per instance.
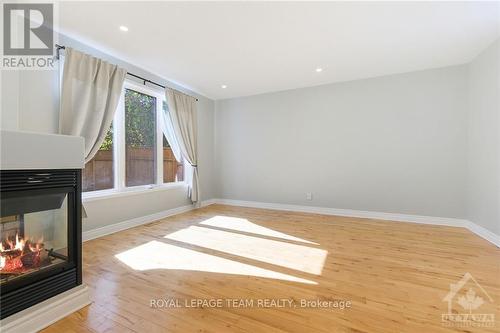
(395, 274)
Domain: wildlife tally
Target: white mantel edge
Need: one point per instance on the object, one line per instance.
(43, 314)
(21, 150)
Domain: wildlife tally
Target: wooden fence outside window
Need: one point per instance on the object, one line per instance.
(140, 169)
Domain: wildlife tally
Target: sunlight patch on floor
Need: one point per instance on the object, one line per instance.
(239, 224)
(298, 257)
(158, 255)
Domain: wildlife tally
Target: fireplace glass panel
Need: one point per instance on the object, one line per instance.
(33, 234)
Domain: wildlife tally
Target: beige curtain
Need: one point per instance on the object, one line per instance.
(91, 90)
(168, 131)
(182, 111)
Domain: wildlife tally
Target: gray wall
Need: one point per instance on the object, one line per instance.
(9, 85)
(423, 143)
(483, 184)
(389, 144)
(30, 102)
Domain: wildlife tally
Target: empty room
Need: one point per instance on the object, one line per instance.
(250, 166)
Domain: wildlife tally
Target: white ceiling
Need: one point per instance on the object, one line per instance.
(258, 47)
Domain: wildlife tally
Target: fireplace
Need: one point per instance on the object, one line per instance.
(40, 236)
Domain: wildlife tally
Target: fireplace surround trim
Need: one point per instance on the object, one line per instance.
(43, 314)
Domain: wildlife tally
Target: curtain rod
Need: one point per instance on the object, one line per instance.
(144, 80)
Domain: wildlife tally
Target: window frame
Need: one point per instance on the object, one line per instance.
(119, 149)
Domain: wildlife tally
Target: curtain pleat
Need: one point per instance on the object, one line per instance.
(182, 111)
(91, 90)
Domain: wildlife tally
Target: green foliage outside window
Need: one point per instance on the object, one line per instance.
(139, 122)
(108, 140)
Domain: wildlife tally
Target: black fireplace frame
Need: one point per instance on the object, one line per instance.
(36, 287)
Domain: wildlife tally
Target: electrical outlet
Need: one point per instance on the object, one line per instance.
(309, 196)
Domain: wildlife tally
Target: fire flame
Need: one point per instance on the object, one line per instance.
(17, 244)
(15, 251)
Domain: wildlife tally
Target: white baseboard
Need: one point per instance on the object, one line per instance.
(208, 202)
(348, 213)
(484, 233)
(452, 222)
(112, 228)
(446, 221)
(47, 312)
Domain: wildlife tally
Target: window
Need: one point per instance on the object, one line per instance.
(98, 173)
(135, 153)
(140, 138)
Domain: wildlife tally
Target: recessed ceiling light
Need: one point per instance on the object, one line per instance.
(123, 28)
(223, 86)
(319, 69)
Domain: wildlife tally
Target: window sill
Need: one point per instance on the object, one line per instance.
(108, 194)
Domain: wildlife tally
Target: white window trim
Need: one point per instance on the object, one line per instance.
(119, 158)
(113, 193)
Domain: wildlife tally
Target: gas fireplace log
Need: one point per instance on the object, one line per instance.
(9, 254)
(31, 259)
